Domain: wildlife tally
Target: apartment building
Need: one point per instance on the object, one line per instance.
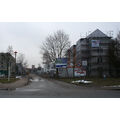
(92, 53)
(6, 60)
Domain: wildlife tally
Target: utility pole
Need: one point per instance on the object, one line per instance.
(74, 59)
(15, 62)
(8, 62)
(9, 72)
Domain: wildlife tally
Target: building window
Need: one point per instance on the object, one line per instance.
(99, 60)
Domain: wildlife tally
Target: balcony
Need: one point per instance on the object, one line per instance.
(98, 54)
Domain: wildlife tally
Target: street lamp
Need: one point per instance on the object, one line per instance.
(15, 62)
(9, 65)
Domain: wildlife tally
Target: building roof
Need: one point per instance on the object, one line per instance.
(96, 33)
(7, 56)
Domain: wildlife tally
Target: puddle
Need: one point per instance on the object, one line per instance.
(34, 80)
(41, 80)
(18, 77)
(82, 81)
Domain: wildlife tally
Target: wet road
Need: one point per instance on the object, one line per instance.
(43, 88)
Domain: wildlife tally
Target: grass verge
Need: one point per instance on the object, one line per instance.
(5, 80)
(95, 81)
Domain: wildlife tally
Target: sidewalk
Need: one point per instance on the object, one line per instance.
(11, 86)
(114, 87)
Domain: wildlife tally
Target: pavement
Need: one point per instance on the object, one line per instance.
(50, 88)
(12, 86)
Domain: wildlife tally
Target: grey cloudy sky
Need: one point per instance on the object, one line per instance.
(26, 37)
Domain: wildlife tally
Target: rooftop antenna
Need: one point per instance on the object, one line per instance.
(111, 33)
(107, 33)
(80, 35)
(86, 34)
(89, 32)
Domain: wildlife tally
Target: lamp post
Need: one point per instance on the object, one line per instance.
(15, 62)
(9, 65)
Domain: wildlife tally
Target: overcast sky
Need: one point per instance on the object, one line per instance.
(26, 37)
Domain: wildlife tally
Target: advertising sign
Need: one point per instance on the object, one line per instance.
(61, 62)
(79, 72)
(95, 43)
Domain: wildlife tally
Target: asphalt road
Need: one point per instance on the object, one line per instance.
(43, 88)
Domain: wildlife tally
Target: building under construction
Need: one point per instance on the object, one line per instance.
(92, 53)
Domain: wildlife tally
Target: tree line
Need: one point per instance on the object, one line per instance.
(114, 56)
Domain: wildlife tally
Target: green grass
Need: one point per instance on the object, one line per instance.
(68, 80)
(95, 81)
(105, 82)
(5, 80)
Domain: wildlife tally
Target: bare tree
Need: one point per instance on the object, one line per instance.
(118, 37)
(46, 57)
(21, 59)
(114, 55)
(25, 64)
(55, 46)
(10, 50)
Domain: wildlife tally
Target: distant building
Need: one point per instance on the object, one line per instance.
(71, 55)
(6, 60)
(33, 66)
(28, 70)
(92, 53)
(46, 68)
(33, 69)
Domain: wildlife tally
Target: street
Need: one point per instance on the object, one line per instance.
(43, 88)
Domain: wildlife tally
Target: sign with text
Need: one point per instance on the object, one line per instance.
(79, 72)
(84, 63)
(95, 43)
(61, 62)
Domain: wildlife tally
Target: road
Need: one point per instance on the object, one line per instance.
(43, 88)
